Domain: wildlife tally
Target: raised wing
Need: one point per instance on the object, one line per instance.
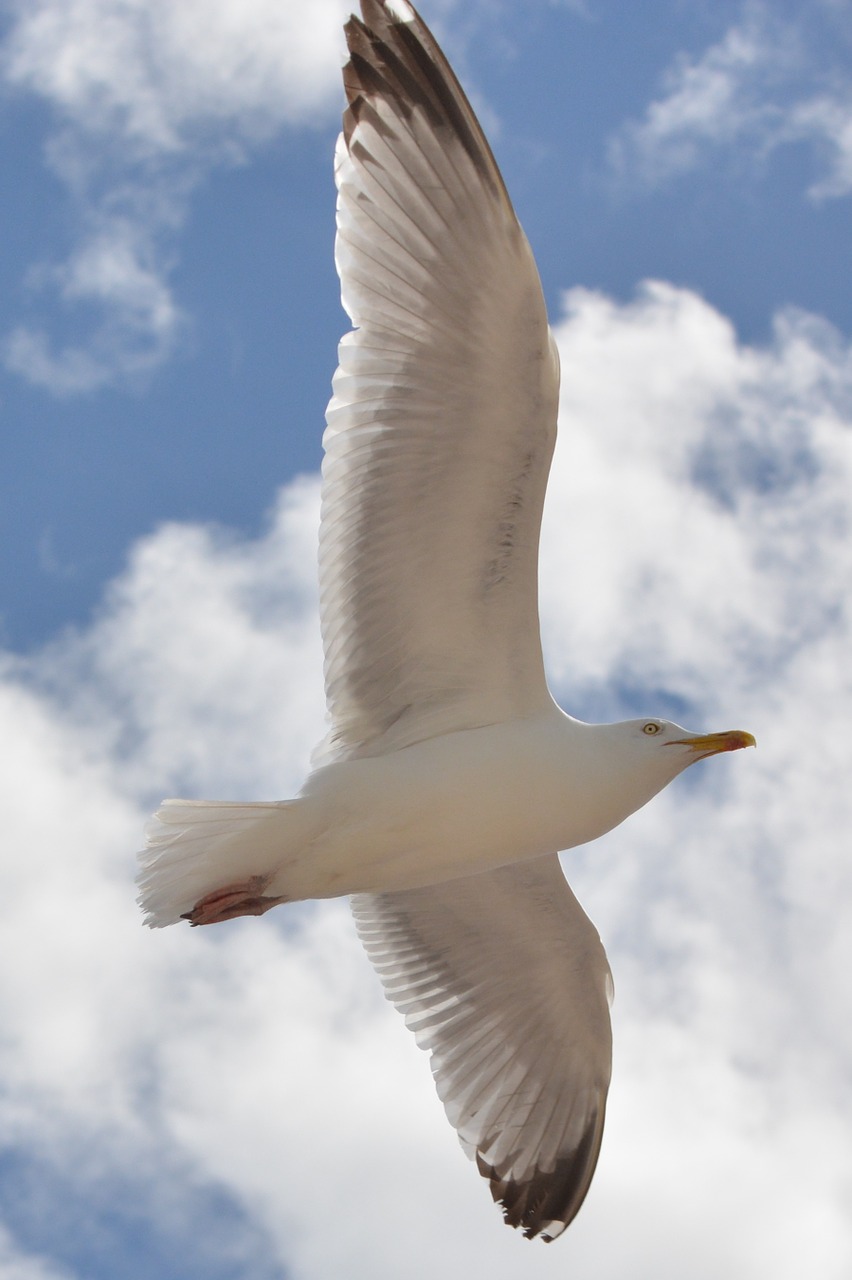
(443, 420)
(503, 978)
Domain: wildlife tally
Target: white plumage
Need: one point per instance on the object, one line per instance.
(449, 778)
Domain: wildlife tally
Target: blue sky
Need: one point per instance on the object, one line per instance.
(239, 1102)
(730, 206)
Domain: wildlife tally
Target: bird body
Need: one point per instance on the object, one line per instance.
(446, 807)
(478, 799)
(449, 778)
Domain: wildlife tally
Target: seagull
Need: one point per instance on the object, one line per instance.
(449, 779)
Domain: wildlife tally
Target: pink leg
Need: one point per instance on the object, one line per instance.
(241, 899)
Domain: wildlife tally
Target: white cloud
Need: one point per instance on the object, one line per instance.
(118, 268)
(697, 545)
(737, 457)
(710, 100)
(157, 73)
(147, 96)
(249, 608)
(764, 85)
(826, 119)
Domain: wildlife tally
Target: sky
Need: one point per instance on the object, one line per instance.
(241, 1101)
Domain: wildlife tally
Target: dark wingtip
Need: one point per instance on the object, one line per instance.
(548, 1200)
(400, 60)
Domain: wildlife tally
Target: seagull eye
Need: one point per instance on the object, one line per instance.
(651, 727)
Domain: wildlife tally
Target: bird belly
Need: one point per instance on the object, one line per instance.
(448, 807)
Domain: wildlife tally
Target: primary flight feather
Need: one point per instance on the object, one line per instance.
(449, 778)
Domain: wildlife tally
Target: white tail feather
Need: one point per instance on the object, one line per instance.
(196, 846)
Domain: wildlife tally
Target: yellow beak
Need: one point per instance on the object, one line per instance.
(710, 744)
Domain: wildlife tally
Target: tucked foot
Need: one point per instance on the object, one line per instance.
(245, 898)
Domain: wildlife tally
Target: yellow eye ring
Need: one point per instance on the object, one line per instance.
(651, 727)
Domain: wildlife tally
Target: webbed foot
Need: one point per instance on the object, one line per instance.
(245, 898)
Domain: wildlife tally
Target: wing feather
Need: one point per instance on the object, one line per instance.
(442, 424)
(503, 979)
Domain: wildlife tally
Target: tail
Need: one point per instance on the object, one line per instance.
(195, 846)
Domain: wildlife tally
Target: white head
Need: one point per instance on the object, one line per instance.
(629, 762)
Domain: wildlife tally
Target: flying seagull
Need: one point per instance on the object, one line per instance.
(449, 778)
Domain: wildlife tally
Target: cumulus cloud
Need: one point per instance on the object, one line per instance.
(136, 679)
(756, 441)
(247, 1088)
(146, 97)
(158, 75)
(763, 86)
